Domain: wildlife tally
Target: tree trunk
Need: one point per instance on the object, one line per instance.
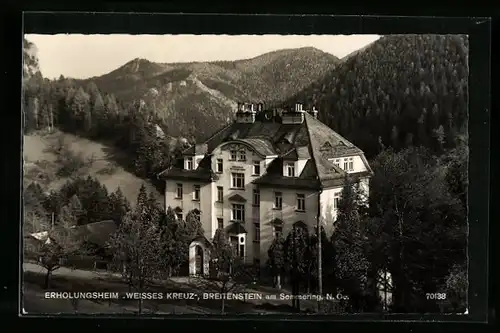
(140, 306)
(278, 281)
(47, 278)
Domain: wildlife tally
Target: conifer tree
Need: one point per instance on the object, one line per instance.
(349, 243)
(276, 254)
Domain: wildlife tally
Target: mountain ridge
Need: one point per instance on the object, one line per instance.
(181, 92)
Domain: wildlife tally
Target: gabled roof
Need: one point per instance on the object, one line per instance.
(203, 240)
(311, 140)
(238, 198)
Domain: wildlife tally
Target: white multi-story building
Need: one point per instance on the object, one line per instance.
(261, 175)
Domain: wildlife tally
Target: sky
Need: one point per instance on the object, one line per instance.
(84, 56)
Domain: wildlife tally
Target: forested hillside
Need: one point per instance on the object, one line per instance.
(402, 90)
(193, 99)
(403, 100)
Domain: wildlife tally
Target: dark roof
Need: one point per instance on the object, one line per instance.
(310, 140)
(203, 173)
(339, 181)
(277, 221)
(97, 233)
(197, 149)
(235, 228)
(300, 224)
(262, 146)
(203, 240)
(274, 177)
(237, 198)
(268, 133)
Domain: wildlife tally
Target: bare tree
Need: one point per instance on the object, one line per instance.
(136, 248)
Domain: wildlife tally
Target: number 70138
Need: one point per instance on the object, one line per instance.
(436, 296)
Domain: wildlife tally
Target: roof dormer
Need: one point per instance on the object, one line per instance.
(195, 155)
(290, 169)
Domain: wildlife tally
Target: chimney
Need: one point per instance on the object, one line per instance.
(314, 112)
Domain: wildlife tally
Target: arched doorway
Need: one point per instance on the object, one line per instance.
(199, 257)
(198, 260)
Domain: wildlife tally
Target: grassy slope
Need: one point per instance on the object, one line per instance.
(39, 164)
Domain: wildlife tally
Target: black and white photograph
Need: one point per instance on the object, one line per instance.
(245, 174)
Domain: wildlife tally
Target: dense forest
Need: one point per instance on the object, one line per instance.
(84, 111)
(403, 100)
(401, 91)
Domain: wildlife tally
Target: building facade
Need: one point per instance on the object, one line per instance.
(262, 174)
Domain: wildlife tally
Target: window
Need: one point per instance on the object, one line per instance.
(256, 232)
(196, 192)
(179, 216)
(220, 223)
(179, 191)
(256, 198)
(219, 166)
(189, 163)
(233, 155)
(345, 164)
(238, 213)
(256, 168)
(336, 199)
(220, 194)
(234, 243)
(301, 202)
(243, 155)
(337, 162)
(351, 164)
(238, 180)
(277, 230)
(242, 251)
(278, 200)
(290, 169)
